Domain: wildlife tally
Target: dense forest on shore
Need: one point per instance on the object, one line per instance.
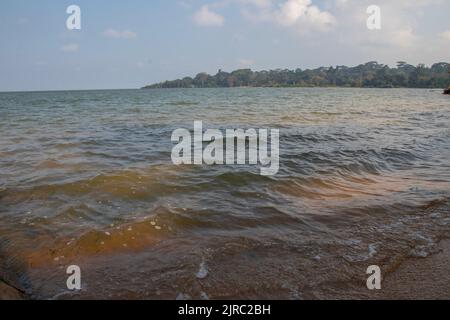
(369, 75)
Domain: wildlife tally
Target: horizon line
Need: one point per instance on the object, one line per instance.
(219, 69)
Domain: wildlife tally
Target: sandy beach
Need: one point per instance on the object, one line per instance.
(421, 279)
(413, 279)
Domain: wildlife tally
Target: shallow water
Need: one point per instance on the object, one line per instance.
(87, 179)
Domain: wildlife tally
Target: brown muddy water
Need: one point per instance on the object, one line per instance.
(86, 179)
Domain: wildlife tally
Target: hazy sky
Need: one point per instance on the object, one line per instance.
(127, 44)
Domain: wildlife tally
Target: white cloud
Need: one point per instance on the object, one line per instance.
(342, 23)
(207, 18)
(257, 3)
(126, 34)
(408, 31)
(445, 35)
(291, 11)
(342, 3)
(300, 15)
(71, 47)
(403, 38)
(246, 63)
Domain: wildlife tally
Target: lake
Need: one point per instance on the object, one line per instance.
(86, 179)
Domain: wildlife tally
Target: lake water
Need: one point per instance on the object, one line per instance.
(86, 179)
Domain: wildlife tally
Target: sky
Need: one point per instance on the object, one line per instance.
(128, 44)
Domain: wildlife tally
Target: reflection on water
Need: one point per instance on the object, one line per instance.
(86, 178)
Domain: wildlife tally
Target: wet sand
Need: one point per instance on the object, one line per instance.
(414, 279)
(421, 279)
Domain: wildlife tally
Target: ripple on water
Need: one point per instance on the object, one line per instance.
(88, 175)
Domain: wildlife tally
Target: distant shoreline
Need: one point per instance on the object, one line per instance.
(144, 88)
(368, 75)
(281, 87)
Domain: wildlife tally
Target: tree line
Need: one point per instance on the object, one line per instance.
(368, 75)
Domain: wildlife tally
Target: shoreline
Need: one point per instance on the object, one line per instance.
(285, 87)
(425, 278)
(421, 278)
(414, 279)
(182, 88)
